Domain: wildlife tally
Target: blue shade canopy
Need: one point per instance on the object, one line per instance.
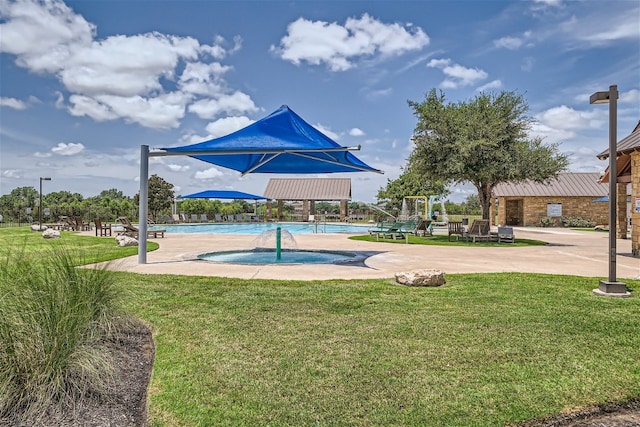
(222, 194)
(280, 143)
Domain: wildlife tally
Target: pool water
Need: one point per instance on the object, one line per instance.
(259, 228)
(268, 256)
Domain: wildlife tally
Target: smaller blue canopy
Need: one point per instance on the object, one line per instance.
(222, 194)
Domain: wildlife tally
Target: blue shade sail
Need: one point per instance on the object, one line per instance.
(282, 142)
(222, 194)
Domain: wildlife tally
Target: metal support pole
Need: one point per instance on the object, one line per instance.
(144, 203)
(613, 180)
(611, 287)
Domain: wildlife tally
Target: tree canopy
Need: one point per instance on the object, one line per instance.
(484, 141)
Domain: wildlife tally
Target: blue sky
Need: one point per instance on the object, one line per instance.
(84, 83)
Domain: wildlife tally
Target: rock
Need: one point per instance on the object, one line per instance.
(126, 241)
(426, 277)
(51, 234)
(36, 227)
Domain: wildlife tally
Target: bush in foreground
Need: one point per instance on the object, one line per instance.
(55, 324)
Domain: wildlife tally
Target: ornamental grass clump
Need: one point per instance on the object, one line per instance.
(56, 323)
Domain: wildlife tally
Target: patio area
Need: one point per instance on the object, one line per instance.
(568, 252)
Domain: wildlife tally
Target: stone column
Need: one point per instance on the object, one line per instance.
(621, 211)
(343, 210)
(267, 214)
(635, 196)
(280, 208)
(305, 210)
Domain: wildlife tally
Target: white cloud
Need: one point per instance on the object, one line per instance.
(42, 155)
(495, 84)
(630, 97)
(178, 168)
(164, 111)
(337, 46)
(16, 104)
(122, 76)
(511, 43)
(208, 174)
(236, 103)
(43, 35)
(227, 125)
(457, 75)
(356, 132)
(563, 118)
(12, 173)
(199, 78)
(70, 149)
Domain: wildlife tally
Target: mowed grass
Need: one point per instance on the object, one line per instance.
(489, 349)
(93, 249)
(484, 349)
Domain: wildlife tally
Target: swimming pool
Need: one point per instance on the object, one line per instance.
(260, 227)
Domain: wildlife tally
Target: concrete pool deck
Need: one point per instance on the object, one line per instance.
(570, 252)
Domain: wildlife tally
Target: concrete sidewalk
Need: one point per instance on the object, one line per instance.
(568, 252)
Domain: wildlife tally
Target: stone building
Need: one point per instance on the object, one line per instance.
(628, 171)
(572, 195)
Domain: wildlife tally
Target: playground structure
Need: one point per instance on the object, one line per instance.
(439, 218)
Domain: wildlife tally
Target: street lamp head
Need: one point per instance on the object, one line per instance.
(599, 98)
(45, 178)
(605, 97)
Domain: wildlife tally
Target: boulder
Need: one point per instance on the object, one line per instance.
(36, 227)
(126, 241)
(425, 277)
(51, 234)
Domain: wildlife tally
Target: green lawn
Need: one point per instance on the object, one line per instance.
(484, 349)
(92, 249)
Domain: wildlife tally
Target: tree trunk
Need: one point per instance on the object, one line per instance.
(484, 194)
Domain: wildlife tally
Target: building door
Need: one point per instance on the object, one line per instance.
(514, 212)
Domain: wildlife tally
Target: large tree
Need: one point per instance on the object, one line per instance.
(160, 195)
(484, 141)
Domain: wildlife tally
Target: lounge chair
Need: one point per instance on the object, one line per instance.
(218, 218)
(203, 218)
(419, 227)
(102, 230)
(132, 231)
(505, 235)
(479, 231)
(388, 230)
(455, 228)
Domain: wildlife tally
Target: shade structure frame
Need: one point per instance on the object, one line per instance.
(281, 143)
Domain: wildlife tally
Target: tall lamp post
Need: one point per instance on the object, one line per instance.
(40, 207)
(611, 287)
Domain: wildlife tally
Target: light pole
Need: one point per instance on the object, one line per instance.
(40, 204)
(611, 287)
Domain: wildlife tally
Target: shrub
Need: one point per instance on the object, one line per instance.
(577, 222)
(547, 222)
(55, 324)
